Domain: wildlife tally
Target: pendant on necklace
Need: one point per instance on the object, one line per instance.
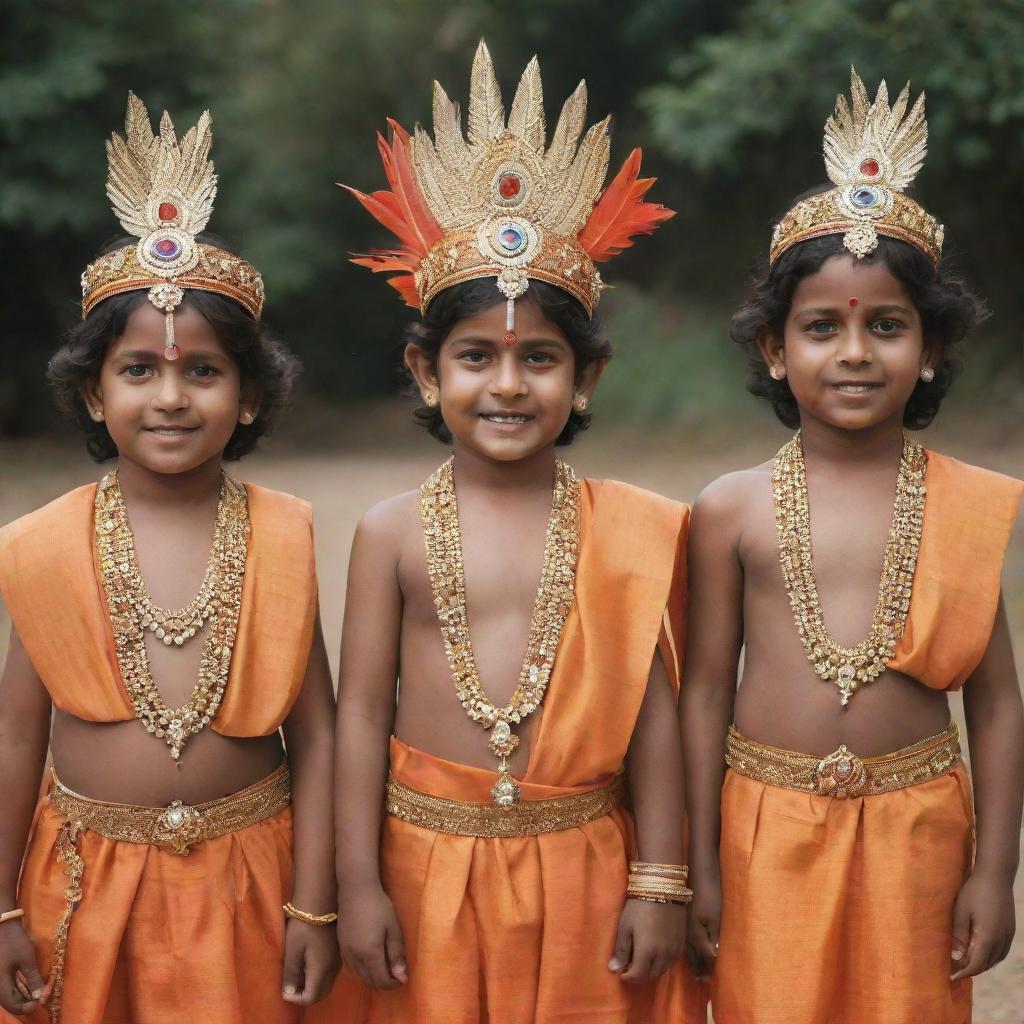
(506, 790)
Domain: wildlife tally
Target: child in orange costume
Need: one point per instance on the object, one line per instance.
(835, 872)
(159, 882)
(473, 888)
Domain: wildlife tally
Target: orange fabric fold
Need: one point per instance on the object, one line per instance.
(968, 518)
(521, 930)
(841, 911)
(53, 593)
(163, 939)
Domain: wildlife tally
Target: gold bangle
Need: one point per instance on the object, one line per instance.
(12, 915)
(302, 915)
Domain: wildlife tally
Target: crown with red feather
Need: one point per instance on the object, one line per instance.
(497, 203)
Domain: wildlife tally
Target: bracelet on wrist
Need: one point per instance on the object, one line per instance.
(658, 883)
(302, 915)
(12, 915)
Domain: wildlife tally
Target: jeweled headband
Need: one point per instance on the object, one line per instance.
(872, 153)
(497, 203)
(162, 191)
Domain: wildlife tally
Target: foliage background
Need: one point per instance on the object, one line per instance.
(726, 96)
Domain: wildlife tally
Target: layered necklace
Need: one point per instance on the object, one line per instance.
(848, 667)
(440, 514)
(133, 612)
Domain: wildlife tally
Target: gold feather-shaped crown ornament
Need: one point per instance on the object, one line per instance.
(162, 191)
(498, 202)
(872, 153)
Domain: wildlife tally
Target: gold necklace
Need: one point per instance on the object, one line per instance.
(848, 667)
(440, 514)
(131, 611)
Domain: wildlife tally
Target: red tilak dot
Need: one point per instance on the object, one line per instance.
(510, 337)
(853, 302)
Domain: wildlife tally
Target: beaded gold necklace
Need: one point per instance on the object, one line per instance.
(132, 611)
(440, 515)
(848, 667)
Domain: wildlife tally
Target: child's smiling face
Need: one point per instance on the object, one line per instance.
(852, 348)
(169, 416)
(505, 402)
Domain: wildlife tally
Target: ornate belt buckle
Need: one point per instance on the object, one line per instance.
(842, 774)
(180, 827)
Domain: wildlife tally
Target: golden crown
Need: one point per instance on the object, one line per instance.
(497, 203)
(872, 153)
(162, 191)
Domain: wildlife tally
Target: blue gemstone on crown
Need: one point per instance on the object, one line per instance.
(511, 238)
(165, 249)
(865, 197)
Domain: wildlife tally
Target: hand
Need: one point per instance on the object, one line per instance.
(650, 939)
(983, 925)
(703, 923)
(21, 987)
(311, 962)
(371, 939)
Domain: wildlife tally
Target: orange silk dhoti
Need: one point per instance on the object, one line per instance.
(160, 938)
(840, 910)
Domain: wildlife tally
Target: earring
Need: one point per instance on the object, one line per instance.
(776, 372)
(927, 374)
(580, 402)
(96, 414)
(246, 419)
(430, 398)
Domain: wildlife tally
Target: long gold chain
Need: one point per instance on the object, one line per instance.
(131, 611)
(848, 667)
(440, 515)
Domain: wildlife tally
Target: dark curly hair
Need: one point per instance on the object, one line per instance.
(947, 307)
(584, 333)
(261, 359)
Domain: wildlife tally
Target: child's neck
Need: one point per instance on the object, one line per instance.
(142, 486)
(478, 471)
(871, 446)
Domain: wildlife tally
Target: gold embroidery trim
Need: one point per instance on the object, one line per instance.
(178, 827)
(842, 773)
(488, 821)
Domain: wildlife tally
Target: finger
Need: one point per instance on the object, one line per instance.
(293, 969)
(623, 951)
(377, 964)
(33, 981)
(357, 964)
(394, 947)
(974, 960)
(961, 937)
(13, 1001)
(661, 965)
(639, 968)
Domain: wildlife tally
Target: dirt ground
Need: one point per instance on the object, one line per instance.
(344, 465)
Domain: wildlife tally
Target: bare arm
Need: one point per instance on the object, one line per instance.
(370, 938)
(651, 935)
(24, 736)
(714, 639)
(984, 919)
(311, 952)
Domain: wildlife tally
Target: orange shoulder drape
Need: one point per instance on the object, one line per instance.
(968, 517)
(50, 583)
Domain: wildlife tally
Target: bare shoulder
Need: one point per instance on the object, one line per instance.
(730, 497)
(385, 525)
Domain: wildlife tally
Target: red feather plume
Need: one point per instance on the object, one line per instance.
(403, 212)
(621, 213)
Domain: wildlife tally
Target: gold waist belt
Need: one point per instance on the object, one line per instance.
(488, 821)
(842, 774)
(178, 827)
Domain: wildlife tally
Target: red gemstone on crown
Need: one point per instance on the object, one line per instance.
(510, 185)
(869, 168)
(167, 211)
